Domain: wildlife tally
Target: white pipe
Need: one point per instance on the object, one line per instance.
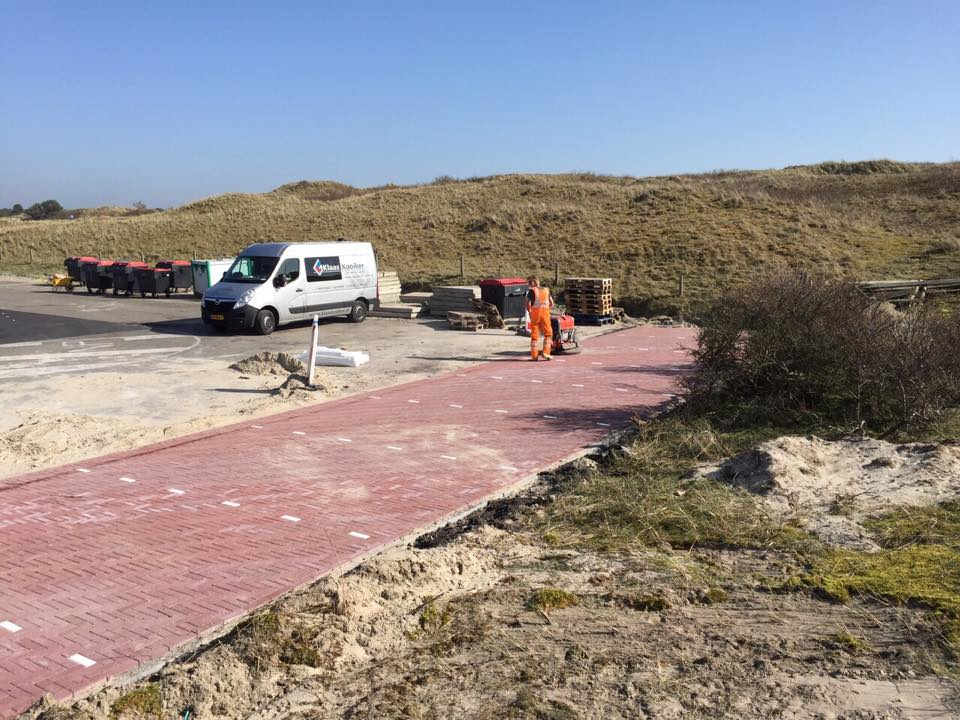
(312, 365)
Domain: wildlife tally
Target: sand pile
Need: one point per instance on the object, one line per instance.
(830, 486)
(268, 363)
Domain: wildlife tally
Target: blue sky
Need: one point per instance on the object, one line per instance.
(169, 102)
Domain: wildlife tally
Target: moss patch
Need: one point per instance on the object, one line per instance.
(144, 702)
(928, 576)
(546, 599)
(935, 525)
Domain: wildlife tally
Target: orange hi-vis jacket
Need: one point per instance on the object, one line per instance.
(541, 301)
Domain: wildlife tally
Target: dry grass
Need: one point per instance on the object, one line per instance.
(876, 219)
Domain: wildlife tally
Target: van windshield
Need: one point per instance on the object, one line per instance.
(250, 269)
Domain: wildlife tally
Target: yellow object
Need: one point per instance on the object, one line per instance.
(62, 281)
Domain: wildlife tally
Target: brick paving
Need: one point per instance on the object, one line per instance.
(112, 563)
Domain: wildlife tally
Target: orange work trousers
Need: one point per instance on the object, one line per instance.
(540, 326)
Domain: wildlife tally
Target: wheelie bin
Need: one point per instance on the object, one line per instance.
(97, 275)
(124, 279)
(182, 274)
(508, 294)
(74, 265)
(154, 280)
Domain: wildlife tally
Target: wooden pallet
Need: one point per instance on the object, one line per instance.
(592, 319)
(588, 282)
(590, 308)
(465, 320)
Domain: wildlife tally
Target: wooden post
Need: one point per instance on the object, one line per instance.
(681, 284)
(461, 268)
(556, 274)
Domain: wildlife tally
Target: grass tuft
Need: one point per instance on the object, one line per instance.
(143, 703)
(547, 599)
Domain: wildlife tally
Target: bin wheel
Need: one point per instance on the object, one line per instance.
(167, 291)
(143, 293)
(69, 288)
(116, 291)
(358, 311)
(89, 289)
(154, 293)
(266, 322)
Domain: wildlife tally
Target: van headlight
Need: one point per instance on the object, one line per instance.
(244, 299)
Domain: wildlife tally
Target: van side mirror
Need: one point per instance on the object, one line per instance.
(279, 281)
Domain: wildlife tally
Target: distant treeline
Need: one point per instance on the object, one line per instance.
(52, 210)
(37, 211)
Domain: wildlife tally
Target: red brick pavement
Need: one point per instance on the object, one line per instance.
(125, 558)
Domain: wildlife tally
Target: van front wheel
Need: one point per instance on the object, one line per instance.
(358, 311)
(265, 323)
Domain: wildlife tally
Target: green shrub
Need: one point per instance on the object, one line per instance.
(800, 348)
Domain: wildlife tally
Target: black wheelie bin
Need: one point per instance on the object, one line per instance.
(508, 294)
(181, 273)
(98, 275)
(154, 280)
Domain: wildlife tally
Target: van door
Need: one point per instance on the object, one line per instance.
(325, 291)
(289, 296)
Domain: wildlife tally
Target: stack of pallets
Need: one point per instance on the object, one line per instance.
(589, 300)
(458, 298)
(465, 320)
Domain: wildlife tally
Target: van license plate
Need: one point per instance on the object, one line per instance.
(216, 317)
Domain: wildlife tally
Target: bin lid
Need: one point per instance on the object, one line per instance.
(504, 281)
(88, 260)
(136, 264)
(105, 263)
(180, 262)
(161, 270)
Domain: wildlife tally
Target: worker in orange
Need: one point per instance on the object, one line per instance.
(539, 303)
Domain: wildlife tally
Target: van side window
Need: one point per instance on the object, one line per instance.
(320, 269)
(290, 269)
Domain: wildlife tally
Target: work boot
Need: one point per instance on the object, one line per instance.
(546, 357)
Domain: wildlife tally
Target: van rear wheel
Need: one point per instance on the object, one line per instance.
(266, 322)
(358, 311)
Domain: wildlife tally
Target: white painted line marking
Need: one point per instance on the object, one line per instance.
(508, 467)
(603, 424)
(230, 503)
(415, 402)
(596, 363)
(10, 626)
(537, 381)
(360, 535)
(393, 447)
(142, 337)
(375, 397)
(559, 360)
(577, 385)
(643, 349)
(502, 412)
(290, 518)
(22, 344)
(448, 457)
(56, 357)
(459, 407)
(257, 427)
(84, 470)
(621, 390)
(127, 480)
(551, 417)
(344, 439)
(299, 432)
(175, 491)
(496, 377)
(81, 660)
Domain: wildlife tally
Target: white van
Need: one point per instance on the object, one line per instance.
(272, 284)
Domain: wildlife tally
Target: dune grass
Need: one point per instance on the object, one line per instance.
(875, 219)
